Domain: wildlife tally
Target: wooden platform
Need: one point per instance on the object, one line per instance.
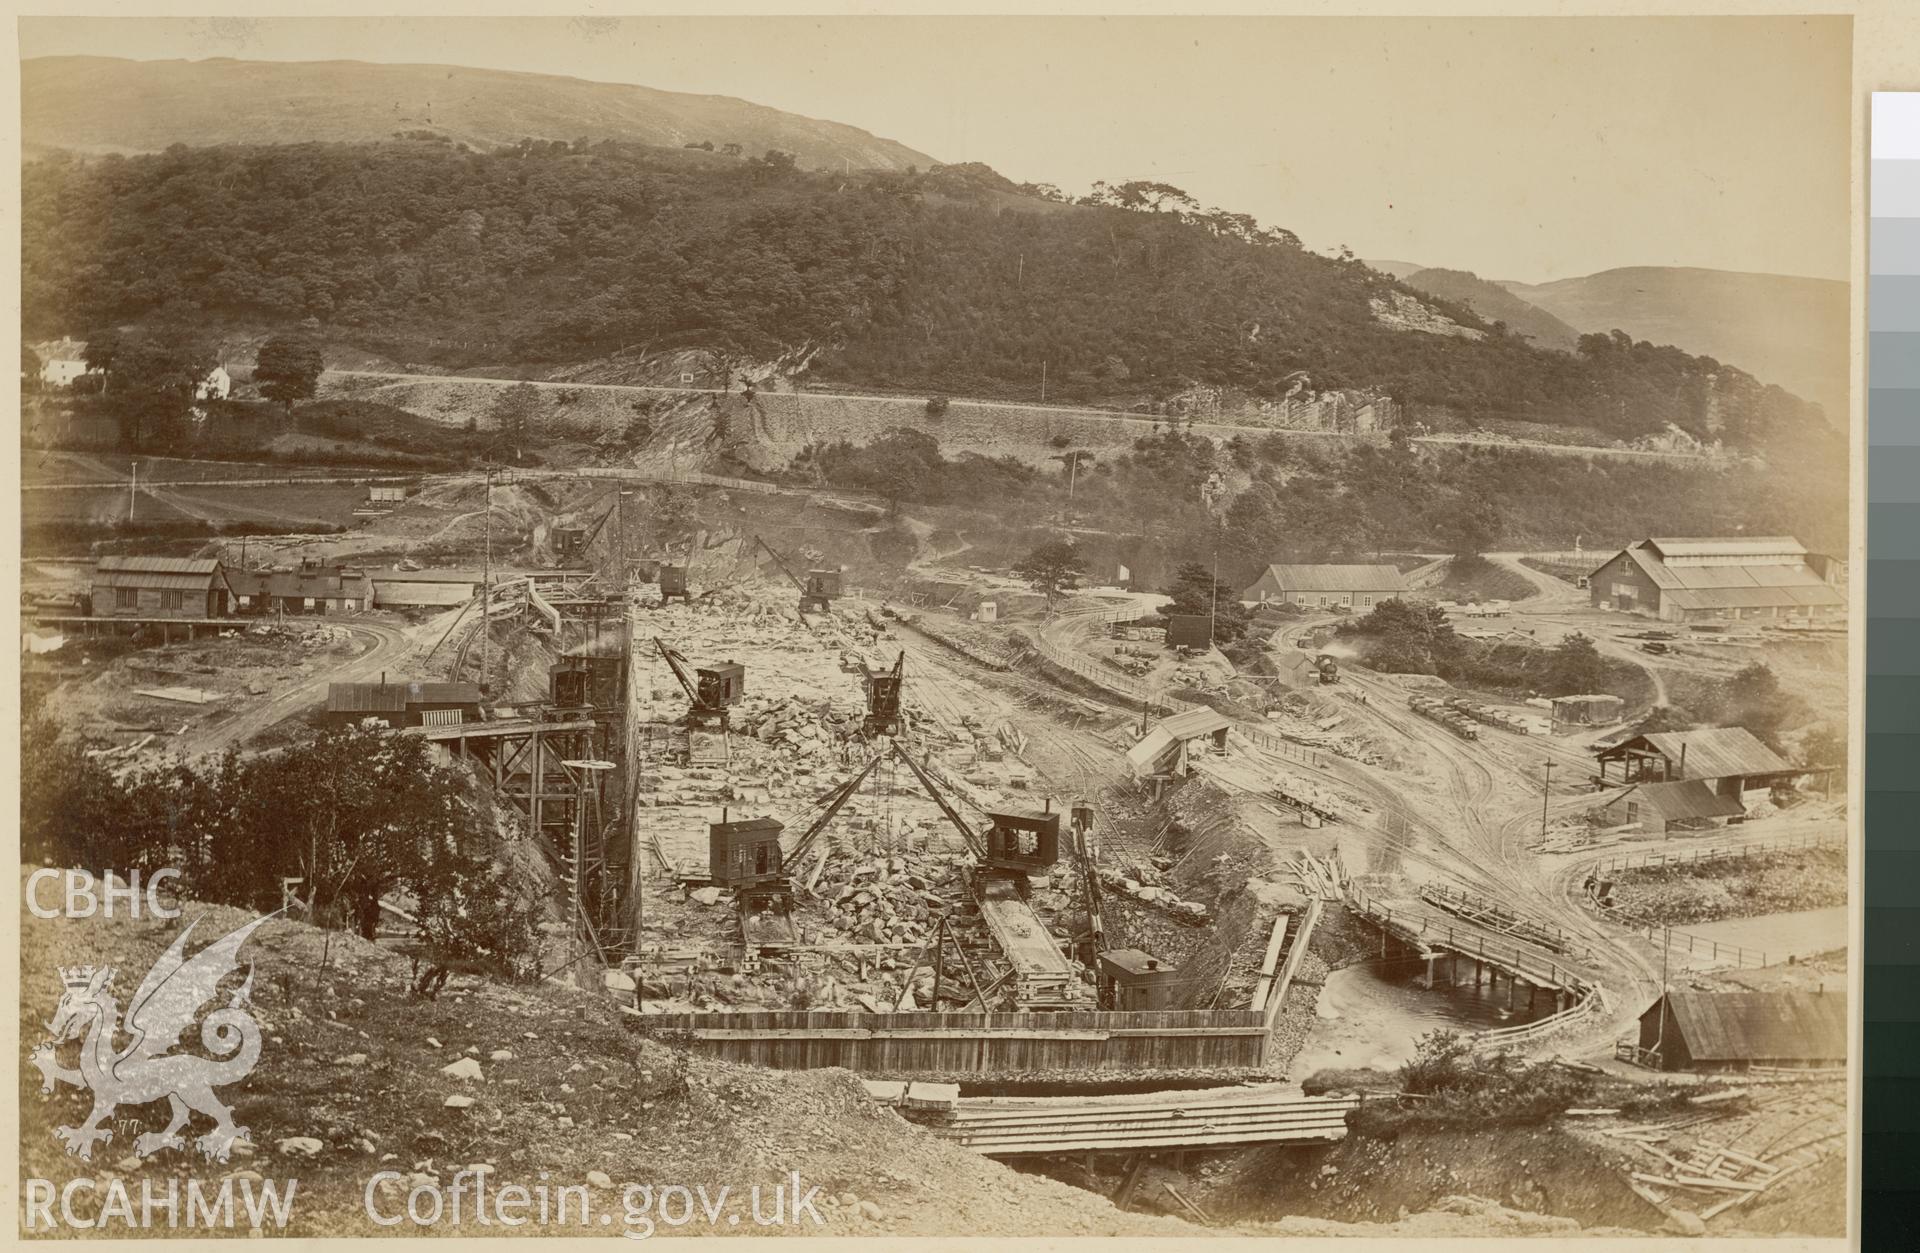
(1207, 1118)
(496, 730)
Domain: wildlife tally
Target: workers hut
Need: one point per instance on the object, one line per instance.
(1140, 980)
(744, 852)
(673, 582)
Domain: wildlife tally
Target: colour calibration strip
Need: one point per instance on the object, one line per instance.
(1890, 1142)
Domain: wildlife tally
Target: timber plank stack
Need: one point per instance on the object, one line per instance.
(1002, 1127)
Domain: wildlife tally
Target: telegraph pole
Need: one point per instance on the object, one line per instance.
(133, 485)
(1043, 382)
(486, 584)
(1544, 784)
(1213, 608)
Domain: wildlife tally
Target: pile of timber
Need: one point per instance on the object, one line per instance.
(1321, 878)
(1716, 1175)
(1008, 1127)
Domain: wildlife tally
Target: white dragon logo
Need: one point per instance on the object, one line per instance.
(164, 1006)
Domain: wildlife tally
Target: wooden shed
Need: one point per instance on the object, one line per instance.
(1735, 1030)
(1189, 630)
(414, 703)
(160, 587)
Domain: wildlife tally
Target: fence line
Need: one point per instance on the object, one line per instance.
(1693, 857)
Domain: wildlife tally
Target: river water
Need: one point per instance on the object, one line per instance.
(1373, 1013)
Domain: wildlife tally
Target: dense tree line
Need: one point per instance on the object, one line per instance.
(1414, 637)
(353, 816)
(949, 281)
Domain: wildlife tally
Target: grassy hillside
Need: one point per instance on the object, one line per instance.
(1496, 304)
(354, 1062)
(1790, 331)
(105, 104)
(553, 253)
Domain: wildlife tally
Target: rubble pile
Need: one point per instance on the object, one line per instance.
(305, 634)
(1301, 791)
(890, 899)
(1146, 882)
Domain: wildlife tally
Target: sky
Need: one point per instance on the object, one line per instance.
(1522, 149)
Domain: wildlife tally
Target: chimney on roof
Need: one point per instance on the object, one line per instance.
(1683, 761)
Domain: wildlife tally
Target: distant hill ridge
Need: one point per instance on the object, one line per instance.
(1780, 328)
(1496, 304)
(109, 104)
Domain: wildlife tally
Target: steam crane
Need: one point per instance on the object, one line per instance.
(746, 856)
(711, 690)
(884, 716)
(817, 590)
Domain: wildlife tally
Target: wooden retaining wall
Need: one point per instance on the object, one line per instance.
(984, 1044)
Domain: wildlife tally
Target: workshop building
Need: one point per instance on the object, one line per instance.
(1698, 580)
(160, 587)
(407, 703)
(310, 588)
(1356, 588)
(1730, 760)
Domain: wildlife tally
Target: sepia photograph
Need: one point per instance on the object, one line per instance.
(887, 627)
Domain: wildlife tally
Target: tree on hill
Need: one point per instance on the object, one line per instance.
(1574, 668)
(1052, 568)
(514, 415)
(288, 369)
(901, 465)
(157, 377)
(1406, 637)
(1194, 590)
(29, 368)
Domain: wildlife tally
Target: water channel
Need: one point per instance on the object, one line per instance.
(1372, 1014)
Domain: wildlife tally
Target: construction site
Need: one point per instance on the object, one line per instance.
(1064, 885)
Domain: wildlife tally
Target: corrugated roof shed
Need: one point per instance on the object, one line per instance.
(1682, 801)
(1716, 752)
(329, 583)
(1753, 597)
(1147, 757)
(1336, 578)
(187, 574)
(160, 565)
(1788, 582)
(1723, 546)
(1194, 723)
(1761, 1026)
(395, 697)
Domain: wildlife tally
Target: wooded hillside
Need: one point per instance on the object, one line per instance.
(951, 280)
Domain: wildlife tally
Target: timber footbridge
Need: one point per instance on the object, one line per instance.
(1466, 940)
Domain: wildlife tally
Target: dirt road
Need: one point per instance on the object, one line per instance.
(391, 647)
